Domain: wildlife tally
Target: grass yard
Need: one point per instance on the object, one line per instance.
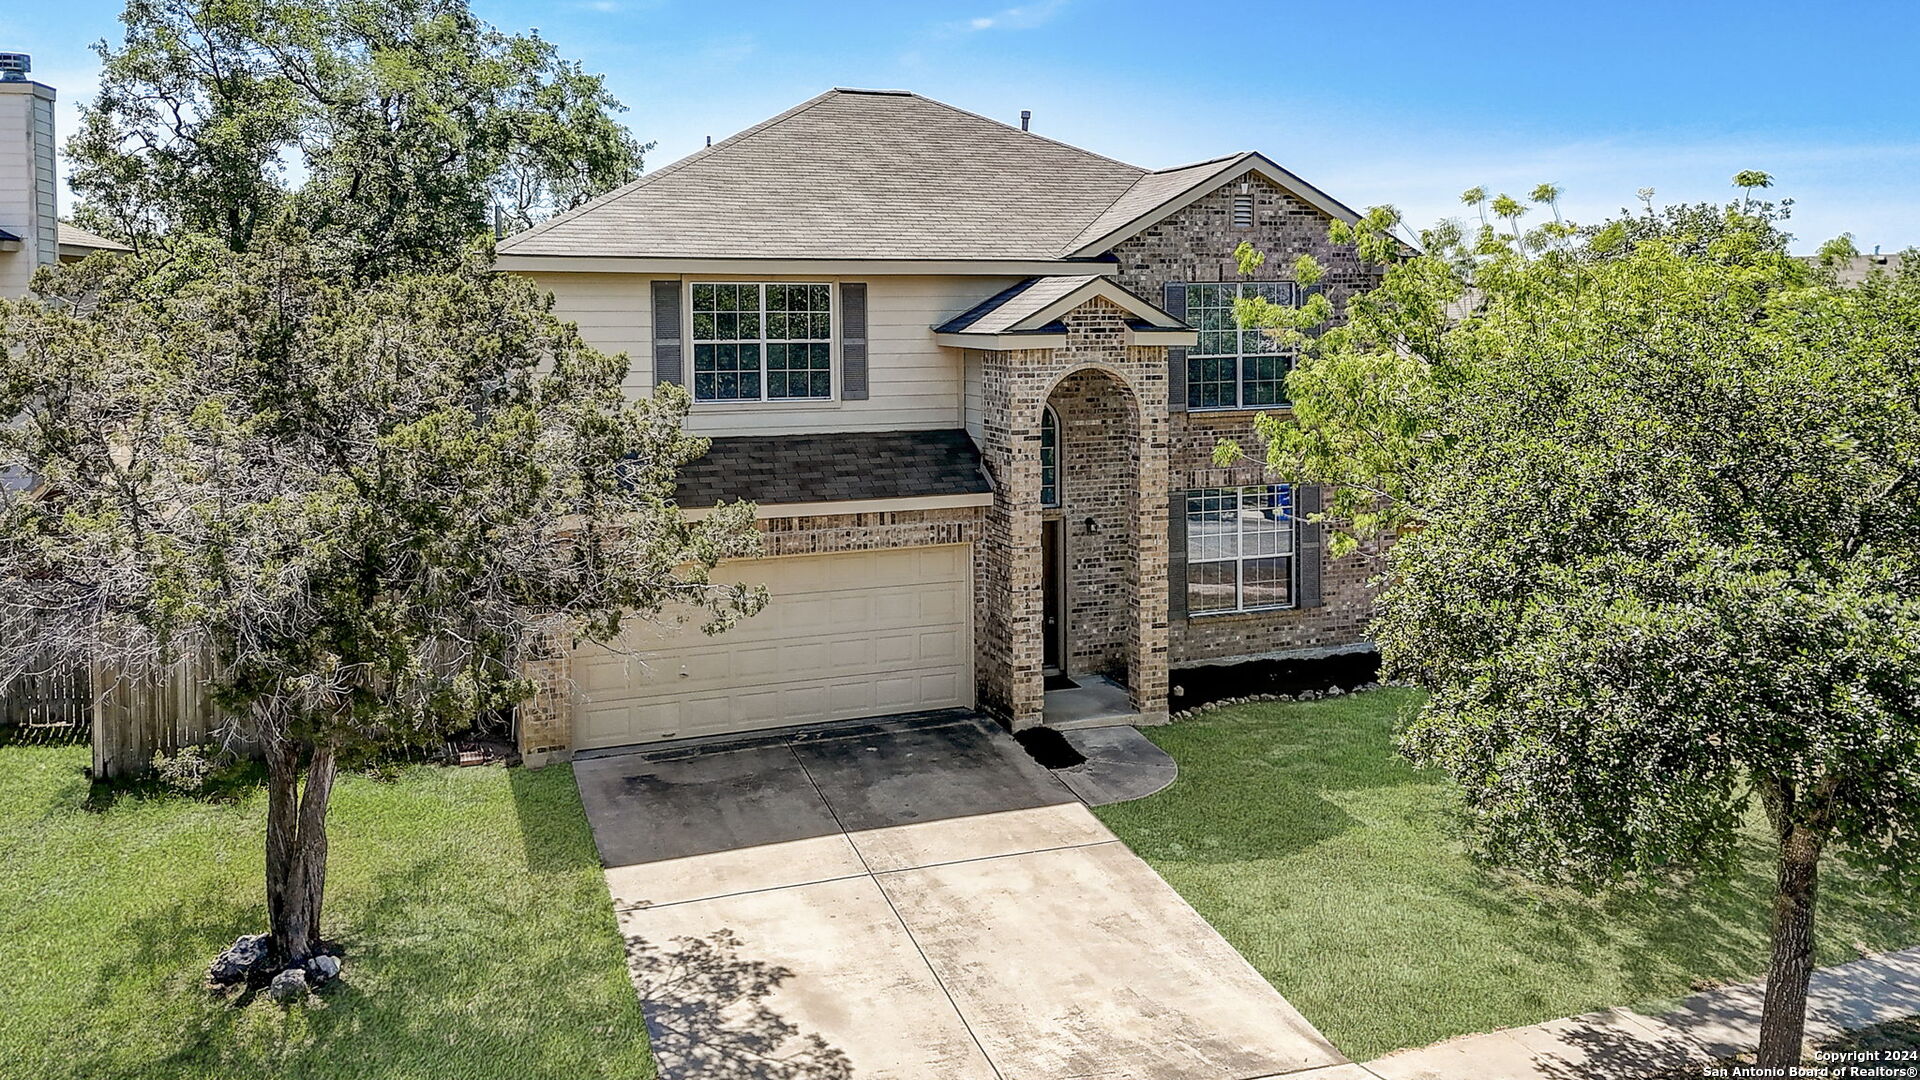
(1335, 869)
(480, 939)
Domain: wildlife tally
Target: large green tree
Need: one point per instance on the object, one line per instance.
(1653, 491)
(390, 130)
(359, 509)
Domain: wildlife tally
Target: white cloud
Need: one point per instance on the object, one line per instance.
(1023, 17)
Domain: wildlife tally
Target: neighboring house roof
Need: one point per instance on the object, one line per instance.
(1035, 306)
(78, 240)
(1861, 267)
(841, 467)
(882, 174)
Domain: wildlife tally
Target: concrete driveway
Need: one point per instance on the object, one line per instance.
(913, 899)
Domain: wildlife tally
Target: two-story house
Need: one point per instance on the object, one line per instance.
(973, 378)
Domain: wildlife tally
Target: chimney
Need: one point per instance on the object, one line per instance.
(1026, 119)
(29, 216)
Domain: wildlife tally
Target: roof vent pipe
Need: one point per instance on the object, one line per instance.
(14, 66)
(1026, 119)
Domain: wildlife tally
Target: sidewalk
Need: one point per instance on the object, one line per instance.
(1620, 1044)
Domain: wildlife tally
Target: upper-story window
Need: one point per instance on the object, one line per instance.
(762, 341)
(1049, 457)
(1228, 367)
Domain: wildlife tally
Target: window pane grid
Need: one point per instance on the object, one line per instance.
(762, 341)
(1240, 549)
(1049, 458)
(1231, 368)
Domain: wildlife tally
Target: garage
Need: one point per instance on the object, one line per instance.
(846, 635)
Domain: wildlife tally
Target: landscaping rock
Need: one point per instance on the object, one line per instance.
(322, 970)
(239, 961)
(289, 986)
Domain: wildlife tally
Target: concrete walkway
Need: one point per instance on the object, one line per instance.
(913, 901)
(1621, 1044)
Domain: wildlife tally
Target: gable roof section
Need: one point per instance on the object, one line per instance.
(1028, 315)
(1159, 195)
(851, 174)
(887, 175)
(1037, 304)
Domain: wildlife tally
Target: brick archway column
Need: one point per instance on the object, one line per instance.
(1010, 653)
(1147, 625)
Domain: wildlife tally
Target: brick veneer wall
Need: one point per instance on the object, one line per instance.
(544, 722)
(1197, 244)
(1014, 386)
(1096, 510)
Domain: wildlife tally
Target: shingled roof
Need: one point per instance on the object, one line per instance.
(878, 174)
(1035, 305)
(839, 467)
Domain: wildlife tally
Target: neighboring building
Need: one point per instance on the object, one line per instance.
(1861, 267)
(973, 377)
(31, 233)
(29, 218)
(77, 243)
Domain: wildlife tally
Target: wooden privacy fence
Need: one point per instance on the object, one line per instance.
(130, 718)
(133, 718)
(59, 703)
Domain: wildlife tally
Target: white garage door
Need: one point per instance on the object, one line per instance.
(859, 634)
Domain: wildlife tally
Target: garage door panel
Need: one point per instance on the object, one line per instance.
(941, 687)
(850, 699)
(842, 636)
(940, 646)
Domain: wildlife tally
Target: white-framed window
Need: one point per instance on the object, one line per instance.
(1240, 549)
(1049, 457)
(1231, 368)
(762, 341)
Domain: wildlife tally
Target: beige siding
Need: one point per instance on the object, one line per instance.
(913, 382)
(974, 390)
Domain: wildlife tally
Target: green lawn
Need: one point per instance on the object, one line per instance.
(480, 939)
(1335, 869)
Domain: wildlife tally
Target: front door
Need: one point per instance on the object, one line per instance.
(1053, 598)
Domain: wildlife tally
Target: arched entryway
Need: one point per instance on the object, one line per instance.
(1078, 419)
(1089, 547)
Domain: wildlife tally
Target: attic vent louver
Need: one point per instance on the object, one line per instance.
(14, 66)
(1243, 211)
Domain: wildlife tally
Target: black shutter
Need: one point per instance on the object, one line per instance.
(1176, 296)
(853, 340)
(667, 365)
(1306, 503)
(1177, 555)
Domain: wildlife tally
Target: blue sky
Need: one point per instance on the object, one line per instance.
(1405, 103)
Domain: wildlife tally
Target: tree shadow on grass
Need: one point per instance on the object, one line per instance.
(708, 1016)
(554, 835)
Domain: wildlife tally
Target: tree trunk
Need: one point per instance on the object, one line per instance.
(296, 848)
(1783, 1019)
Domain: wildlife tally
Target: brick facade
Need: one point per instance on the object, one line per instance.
(1196, 244)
